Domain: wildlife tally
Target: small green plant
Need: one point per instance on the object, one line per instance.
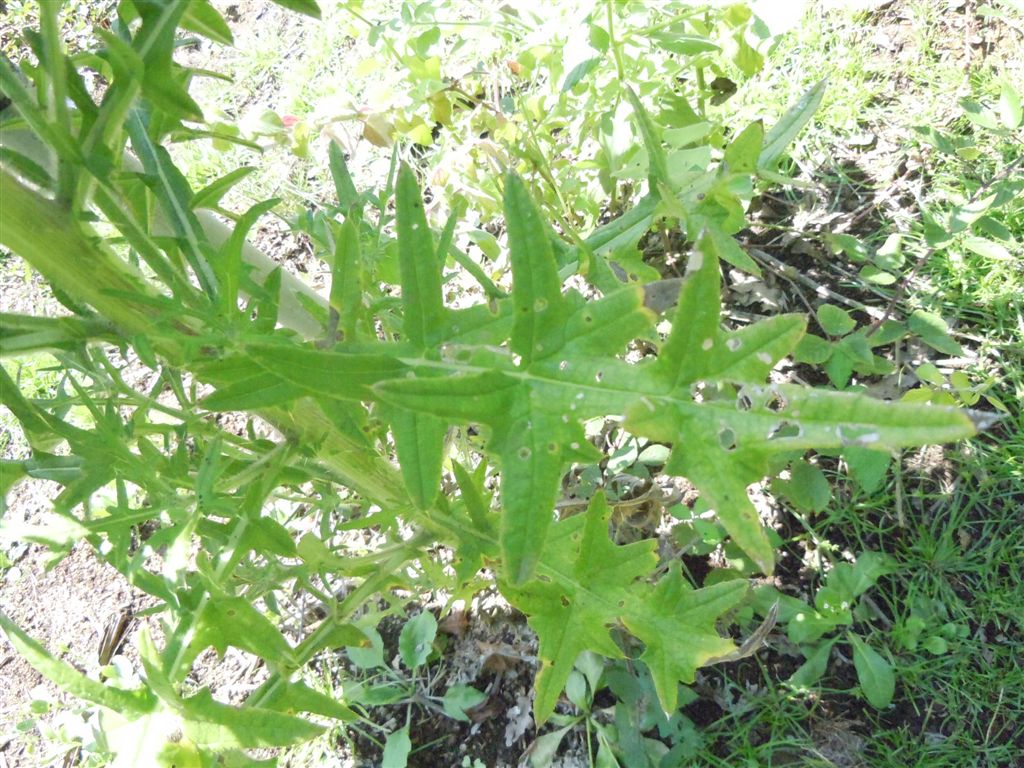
(837, 604)
(379, 684)
(386, 408)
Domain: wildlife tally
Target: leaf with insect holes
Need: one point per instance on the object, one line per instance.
(586, 584)
(533, 416)
(725, 439)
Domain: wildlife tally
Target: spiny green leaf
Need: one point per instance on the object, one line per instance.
(163, 81)
(419, 437)
(229, 259)
(725, 445)
(419, 443)
(587, 584)
(729, 251)
(534, 420)
(324, 373)
(234, 621)
(296, 696)
(698, 349)
(570, 611)
(261, 390)
(675, 610)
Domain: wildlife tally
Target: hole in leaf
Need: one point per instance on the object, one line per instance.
(727, 439)
(733, 344)
(563, 365)
(598, 376)
(784, 429)
(777, 403)
(565, 601)
(588, 318)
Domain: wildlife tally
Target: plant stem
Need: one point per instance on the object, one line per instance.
(615, 46)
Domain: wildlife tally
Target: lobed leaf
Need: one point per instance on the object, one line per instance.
(586, 584)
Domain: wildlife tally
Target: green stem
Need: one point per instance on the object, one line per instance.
(57, 108)
(615, 46)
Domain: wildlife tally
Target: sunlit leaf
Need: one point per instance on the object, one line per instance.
(875, 674)
(789, 125)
